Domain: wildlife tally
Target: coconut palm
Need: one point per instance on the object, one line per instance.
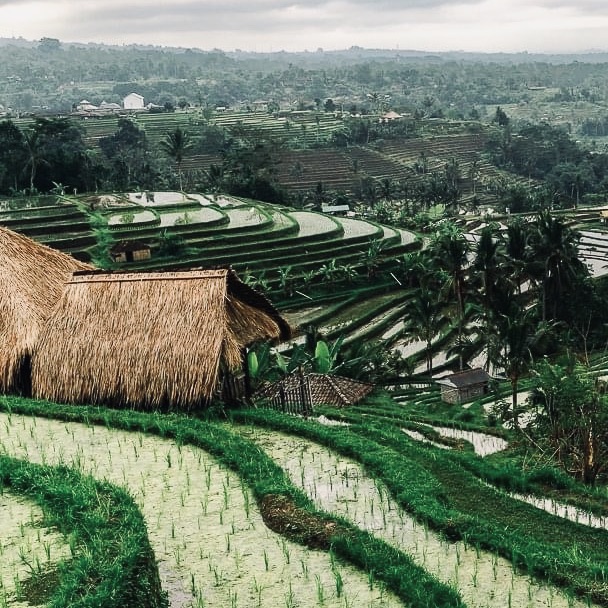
(488, 266)
(450, 251)
(522, 337)
(424, 314)
(517, 250)
(34, 146)
(175, 145)
(555, 248)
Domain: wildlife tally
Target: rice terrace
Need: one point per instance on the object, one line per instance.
(214, 401)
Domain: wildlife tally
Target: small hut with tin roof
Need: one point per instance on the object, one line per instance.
(32, 279)
(150, 340)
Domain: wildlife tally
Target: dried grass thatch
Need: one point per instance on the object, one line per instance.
(149, 340)
(32, 278)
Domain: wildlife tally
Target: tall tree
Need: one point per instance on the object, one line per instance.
(175, 145)
(35, 155)
(13, 156)
(450, 250)
(424, 315)
(572, 417)
(57, 154)
(127, 152)
(555, 248)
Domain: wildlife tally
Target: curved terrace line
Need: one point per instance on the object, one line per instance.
(204, 527)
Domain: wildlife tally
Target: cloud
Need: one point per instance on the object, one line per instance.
(489, 25)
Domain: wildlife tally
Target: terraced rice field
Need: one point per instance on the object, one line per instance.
(340, 485)
(27, 546)
(211, 543)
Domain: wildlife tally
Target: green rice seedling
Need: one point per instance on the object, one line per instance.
(226, 494)
(266, 564)
(285, 550)
(304, 568)
(246, 501)
(258, 588)
(290, 599)
(339, 583)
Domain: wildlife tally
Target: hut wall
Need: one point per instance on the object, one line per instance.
(142, 254)
(450, 394)
(464, 394)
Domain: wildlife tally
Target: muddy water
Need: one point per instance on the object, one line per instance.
(206, 532)
(483, 444)
(25, 545)
(340, 486)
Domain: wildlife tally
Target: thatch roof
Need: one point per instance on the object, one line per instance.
(320, 389)
(32, 278)
(149, 340)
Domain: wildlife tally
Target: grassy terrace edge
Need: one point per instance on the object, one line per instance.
(298, 519)
(432, 485)
(113, 564)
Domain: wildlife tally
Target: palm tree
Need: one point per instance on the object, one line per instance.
(517, 250)
(450, 251)
(487, 264)
(555, 247)
(520, 336)
(425, 312)
(175, 145)
(34, 146)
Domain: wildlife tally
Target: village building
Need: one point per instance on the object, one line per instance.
(151, 340)
(109, 107)
(390, 116)
(133, 101)
(130, 251)
(86, 106)
(464, 386)
(32, 279)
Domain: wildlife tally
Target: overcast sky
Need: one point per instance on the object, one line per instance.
(273, 25)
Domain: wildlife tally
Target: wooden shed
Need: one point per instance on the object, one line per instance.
(130, 251)
(152, 340)
(32, 279)
(464, 386)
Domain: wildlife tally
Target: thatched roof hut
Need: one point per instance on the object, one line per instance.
(32, 278)
(301, 393)
(155, 340)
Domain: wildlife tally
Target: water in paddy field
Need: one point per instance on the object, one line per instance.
(212, 546)
(340, 486)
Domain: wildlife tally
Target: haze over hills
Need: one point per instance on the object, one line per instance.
(356, 53)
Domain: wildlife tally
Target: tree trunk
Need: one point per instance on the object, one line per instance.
(514, 382)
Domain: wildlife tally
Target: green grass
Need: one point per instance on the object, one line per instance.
(112, 562)
(384, 563)
(447, 492)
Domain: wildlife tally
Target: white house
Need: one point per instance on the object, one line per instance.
(109, 107)
(133, 101)
(86, 106)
